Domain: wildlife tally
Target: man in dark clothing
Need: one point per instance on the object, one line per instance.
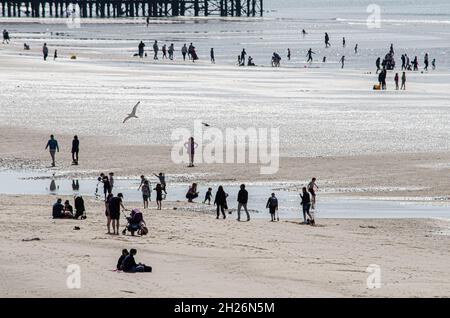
(114, 211)
(272, 205)
(129, 264)
(121, 258)
(141, 49)
(403, 62)
(378, 64)
(306, 204)
(58, 210)
(243, 55)
(327, 40)
(242, 202)
(75, 149)
(53, 146)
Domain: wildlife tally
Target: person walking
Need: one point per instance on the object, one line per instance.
(184, 51)
(220, 201)
(426, 62)
(146, 193)
(327, 40)
(306, 205)
(403, 87)
(155, 50)
(5, 37)
(356, 48)
(378, 64)
(342, 60)
(75, 149)
(53, 147)
(272, 205)
(171, 51)
(309, 55)
(242, 202)
(45, 51)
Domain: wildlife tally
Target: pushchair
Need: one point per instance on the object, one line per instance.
(135, 223)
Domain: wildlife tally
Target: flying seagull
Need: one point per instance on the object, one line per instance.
(132, 114)
(205, 124)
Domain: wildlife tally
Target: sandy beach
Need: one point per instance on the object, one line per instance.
(194, 255)
(382, 157)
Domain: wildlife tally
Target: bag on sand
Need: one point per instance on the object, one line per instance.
(376, 87)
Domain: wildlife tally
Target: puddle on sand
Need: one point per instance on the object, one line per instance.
(21, 183)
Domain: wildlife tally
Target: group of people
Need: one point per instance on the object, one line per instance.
(127, 263)
(66, 210)
(308, 201)
(169, 52)
(145, 187)
(53, 147)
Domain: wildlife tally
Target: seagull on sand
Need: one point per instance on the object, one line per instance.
(132, 114)
(205, 124)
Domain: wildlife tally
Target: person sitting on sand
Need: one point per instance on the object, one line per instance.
(68, 209)
(79, 207)
(58, 210)
(121, 258)
(129, 264)
(192, 192)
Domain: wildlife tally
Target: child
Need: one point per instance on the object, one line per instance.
(272, 205)
(208, 196)
(159, 191)
(312, 187)
(146, 193)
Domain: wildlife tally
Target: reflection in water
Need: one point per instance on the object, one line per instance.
(53, 188)
(75, 185)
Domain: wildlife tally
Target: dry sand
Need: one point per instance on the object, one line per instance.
(195, 255)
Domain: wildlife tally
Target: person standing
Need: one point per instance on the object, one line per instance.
(343, 42)
(159, 197)
(342, 60)
(191, 145)
(272, 205)
(403, 58)
(306, 205)
(403, 87)
(146, 193)
(190, 49)
(111, 181)
(53, 147)
(115, 205)
(184, 51)
(242, 202)
(171, 51)
(289, 54)
(75, 149)
(356, 48)
(208, 196)
(220, 201)
(148, 21)
(164, 52)
(141, 47)
(5, 37)
(312, 187)
(213, 60)
(327, 40)
(378, 64)
(107, 213)
(155, 50)
(243, 55)
(106, 186)
(426, 62)
(55, 55)
(45, 51)
(396, 79)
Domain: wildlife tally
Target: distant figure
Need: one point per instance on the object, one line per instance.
(403, 87)
(378, 64)
(243, 55)
(396, 80)
(45, 51)
(146, 193)
(415, 64)
(164, 52)
(190, 48)
(276, 59)
(171, 51)
(220, 201)
(184, 51)
(192, 192)
(190, 146)
(141, 47)
(106, 186)
(433, 64)
(250, 61)
(327, 40)
(162, 180)
(403, 58)
(155, 50)
(26, 47)
(159, 197)
(272, 205)
(55, 55)
(304, 33)
(148, 21)
(208, 196)
(312, 187)
(53, 146)
(391, 49)
(343, 42)
(5, 37)
(408, 64)
(211, 55)
(306, 205)
(289, 54)
(242, 202)
(194, 55)
(426, 62)
(111, 181)
(324, 60)
(309, 55)
(382, 78)
(356, 48)
(342, 60)
(75, 149)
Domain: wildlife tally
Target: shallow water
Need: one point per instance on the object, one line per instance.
(328, 206)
